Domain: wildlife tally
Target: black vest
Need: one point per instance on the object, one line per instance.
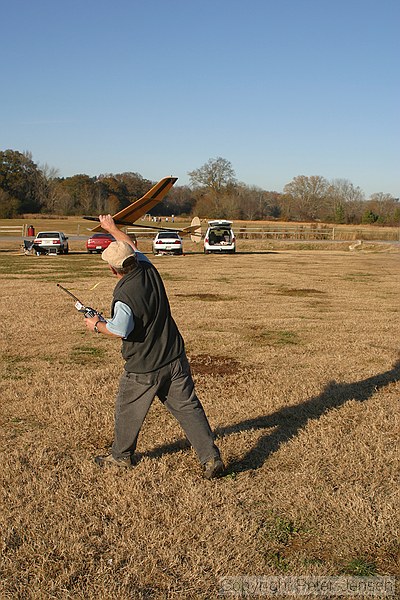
(155, 340)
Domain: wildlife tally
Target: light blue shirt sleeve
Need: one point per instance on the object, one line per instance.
(141, 257)
(123, 321)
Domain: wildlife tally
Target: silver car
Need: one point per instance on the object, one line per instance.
(51, 242)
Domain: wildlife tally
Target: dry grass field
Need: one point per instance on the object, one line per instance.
(295, 354)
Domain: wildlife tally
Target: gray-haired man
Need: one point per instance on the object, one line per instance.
(154, 354)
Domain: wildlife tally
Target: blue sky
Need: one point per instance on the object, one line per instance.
(279, 88)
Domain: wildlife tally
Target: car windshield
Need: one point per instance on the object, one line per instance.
(168, 236)
(48, 234)
(103, 235)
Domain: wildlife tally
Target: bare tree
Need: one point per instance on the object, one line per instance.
(309, 195)
(47, 188)
(48, 172)
(215, 175)
(248, 199)
(254, 203)
(345, 191)
(386, 207)
(345, 201)
(215, 180)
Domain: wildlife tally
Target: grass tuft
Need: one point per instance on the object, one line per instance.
(362, 567)
(85, 354)
(275, 338)
(207, 297)
(301, 292)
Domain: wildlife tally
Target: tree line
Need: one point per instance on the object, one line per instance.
(214, 192)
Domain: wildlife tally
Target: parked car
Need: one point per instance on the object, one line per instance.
(51, 242)
(219, 237)
(167, 242)
(99, 242)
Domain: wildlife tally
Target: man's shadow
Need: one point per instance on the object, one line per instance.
(288, 421)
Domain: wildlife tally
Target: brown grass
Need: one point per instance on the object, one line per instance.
(296, 359)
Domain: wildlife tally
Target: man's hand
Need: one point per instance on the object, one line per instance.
(107, 223)
(90, 322)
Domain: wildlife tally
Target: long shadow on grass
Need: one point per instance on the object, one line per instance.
(288, 421)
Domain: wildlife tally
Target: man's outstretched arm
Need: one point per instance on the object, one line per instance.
(107, 223)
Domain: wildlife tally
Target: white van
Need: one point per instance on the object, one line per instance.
(219, 237)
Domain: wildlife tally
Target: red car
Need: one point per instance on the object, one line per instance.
(99, 242)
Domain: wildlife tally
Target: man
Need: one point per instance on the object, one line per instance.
(154, 353)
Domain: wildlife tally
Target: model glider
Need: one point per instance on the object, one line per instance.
(130, 214)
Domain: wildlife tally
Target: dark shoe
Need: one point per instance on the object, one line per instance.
(108, 459)
(213, 468)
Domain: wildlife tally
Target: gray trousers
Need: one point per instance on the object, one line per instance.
(173, 384)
